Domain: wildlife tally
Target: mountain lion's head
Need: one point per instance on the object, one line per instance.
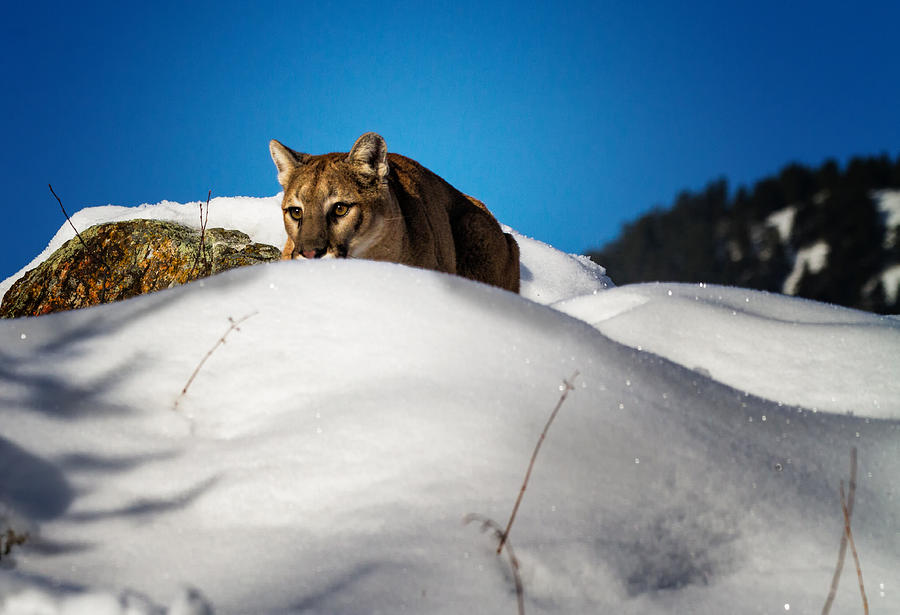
(337, 205)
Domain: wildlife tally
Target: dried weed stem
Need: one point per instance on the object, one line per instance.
(9, 539)
(68, 219)
(847, 537)
(503, 534)
(106, 268)
(567, 386)
(232, 327)
(204, 217)
(490, 524)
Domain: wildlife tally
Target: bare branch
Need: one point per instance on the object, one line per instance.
(567, 386)
(490, 524)
(204, 216)
(842, 551)
(67, 216)
(9, 539)
(503, 535)
(106, 267)
(219, 342)
(846, 510)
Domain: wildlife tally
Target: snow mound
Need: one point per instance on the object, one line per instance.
(324, 456)
(550, 276)
(36, 600)
(787, 350)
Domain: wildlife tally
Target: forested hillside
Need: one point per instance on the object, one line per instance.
(826, 233)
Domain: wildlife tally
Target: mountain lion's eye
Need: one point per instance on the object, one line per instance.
(295, 212)
(340, 209)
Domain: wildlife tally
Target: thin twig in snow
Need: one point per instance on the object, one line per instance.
(849, 534)
(9, 539)
(567, 386)
(503, 535)
(490, 524)
(219, 342)
(842, 551)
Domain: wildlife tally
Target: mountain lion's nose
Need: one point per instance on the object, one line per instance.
(313, 253)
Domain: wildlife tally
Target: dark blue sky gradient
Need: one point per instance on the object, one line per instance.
(566, 119)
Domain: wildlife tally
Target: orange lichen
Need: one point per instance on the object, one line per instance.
(125, 259)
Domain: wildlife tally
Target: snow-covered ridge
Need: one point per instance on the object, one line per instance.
(325, 455)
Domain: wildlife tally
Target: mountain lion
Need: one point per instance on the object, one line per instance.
(380, 206)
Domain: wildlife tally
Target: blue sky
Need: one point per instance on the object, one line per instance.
(566, 119)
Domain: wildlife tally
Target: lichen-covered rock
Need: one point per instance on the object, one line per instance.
(123, 259)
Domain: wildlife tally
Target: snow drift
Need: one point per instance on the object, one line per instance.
(325, 455)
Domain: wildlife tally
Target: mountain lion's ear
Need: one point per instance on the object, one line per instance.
(369, 156)
(285, 159)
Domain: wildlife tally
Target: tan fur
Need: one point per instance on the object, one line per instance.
(371, 204)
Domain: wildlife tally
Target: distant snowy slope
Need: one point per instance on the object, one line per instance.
(324, 457)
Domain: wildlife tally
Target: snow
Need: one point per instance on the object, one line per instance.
(782, 349)
(890, 282)
(888, 202)
(783, 221)
(812, 259)
(325, 455)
